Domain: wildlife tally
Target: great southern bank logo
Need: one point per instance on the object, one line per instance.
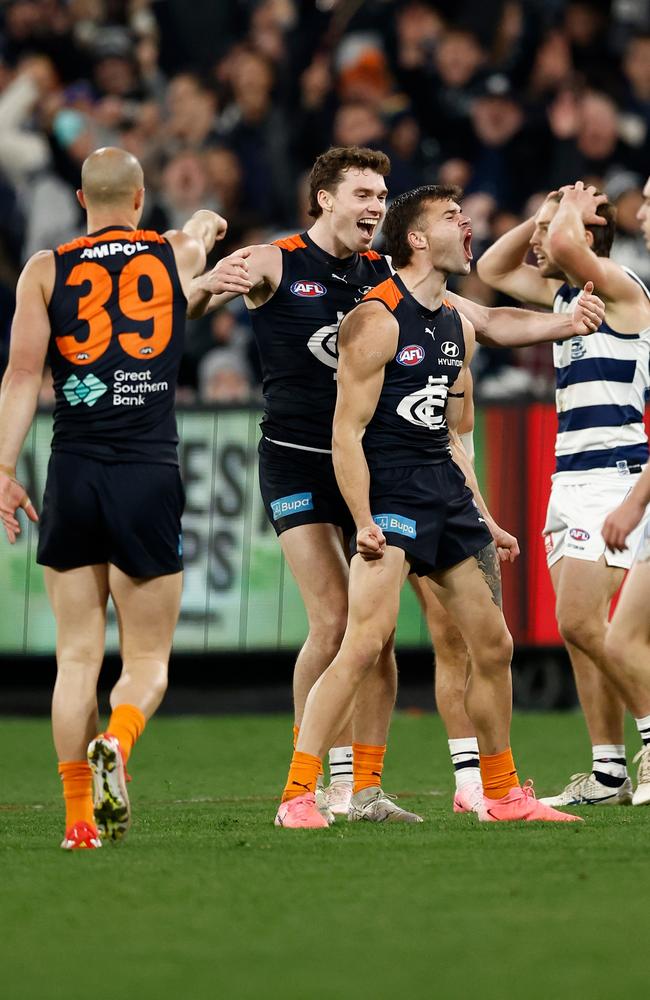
(87, 390)
(413, 354)
(294, 504)
(308, 289)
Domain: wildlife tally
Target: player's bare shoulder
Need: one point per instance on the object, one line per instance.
(369, 331)
(38, 272)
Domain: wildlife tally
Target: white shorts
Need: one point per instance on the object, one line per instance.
(642, 554)
(576, 513)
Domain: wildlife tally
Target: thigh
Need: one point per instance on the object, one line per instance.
(467, 592)
(374, 591)
(143, 506)
(147, 611)
(316, 556)
(585, 589)
(72, 531)
(79, 597)
(631, 619)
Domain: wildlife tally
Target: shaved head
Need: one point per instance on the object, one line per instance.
(110, 176)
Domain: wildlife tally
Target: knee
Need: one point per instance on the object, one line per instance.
(328, 629)
(577, 630)
(495, 654)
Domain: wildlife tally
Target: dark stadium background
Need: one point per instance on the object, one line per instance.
(227, 104)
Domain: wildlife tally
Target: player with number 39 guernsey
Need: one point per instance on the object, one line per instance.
(109, 311)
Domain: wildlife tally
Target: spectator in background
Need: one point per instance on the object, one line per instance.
(625, 191)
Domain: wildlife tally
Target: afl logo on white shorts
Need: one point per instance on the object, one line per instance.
(411, 355)
(308, 289)
(580, 534)
(449, 349)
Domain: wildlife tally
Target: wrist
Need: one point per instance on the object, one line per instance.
(9, 470)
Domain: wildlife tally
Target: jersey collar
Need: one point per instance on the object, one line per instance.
(342, 263)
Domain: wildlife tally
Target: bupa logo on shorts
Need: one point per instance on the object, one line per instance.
(580, 534)
(411, 355)
(449, 349)
(308, 289)
(396, 522)
(86, 390)
(294, 504)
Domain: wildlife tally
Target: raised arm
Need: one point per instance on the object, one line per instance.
(513, 327)
(571, 245)
(30, 334)
(503, 266)
(254, 271)
(367, 341)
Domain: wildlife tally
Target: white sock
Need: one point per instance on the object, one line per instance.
(609, 765)
(464, 757)
(340, 765)
(643, 725)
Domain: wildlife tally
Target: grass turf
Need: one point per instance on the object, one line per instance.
(207, 900)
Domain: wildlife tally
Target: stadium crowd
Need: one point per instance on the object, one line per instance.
(227, 104)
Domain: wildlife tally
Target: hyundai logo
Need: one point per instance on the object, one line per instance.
(449, 349)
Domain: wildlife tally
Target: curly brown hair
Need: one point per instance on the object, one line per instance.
(404, 213)
(327, 172)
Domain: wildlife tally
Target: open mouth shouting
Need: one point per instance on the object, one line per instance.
(467, 244)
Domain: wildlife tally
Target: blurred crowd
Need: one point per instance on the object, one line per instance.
(227, 102)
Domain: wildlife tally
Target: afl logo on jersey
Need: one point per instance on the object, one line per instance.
(449, 349)
(308, 289)
(411, 355)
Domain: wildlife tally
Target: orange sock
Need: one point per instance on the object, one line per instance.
(367, 765)
(77, 791)
(498, 773)
(303, 775)
(296, 730)
(126, 723)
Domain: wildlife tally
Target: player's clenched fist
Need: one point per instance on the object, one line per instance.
(589, 312)
(230, 274)
(13, 496)
(621, 523)
(371, 542)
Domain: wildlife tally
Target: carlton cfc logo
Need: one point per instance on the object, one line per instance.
(308, 289)
(411, 355)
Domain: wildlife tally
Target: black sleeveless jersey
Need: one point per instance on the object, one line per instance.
(296, 333)
(117, 316)
(409, 425)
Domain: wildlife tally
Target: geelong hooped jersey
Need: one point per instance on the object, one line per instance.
(296, 332)
(409, 426)
(602, 381)
(117, 316)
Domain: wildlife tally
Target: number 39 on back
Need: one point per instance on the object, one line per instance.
(91, 309)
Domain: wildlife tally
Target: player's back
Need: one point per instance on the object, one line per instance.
(117, 315)
(296, 332)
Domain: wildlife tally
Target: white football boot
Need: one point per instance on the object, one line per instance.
(641, 795)
(338, 797)
(375, 806)
(587, 790)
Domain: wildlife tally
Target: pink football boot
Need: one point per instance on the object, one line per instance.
(301, 813)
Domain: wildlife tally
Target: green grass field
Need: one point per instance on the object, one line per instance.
(206, 899)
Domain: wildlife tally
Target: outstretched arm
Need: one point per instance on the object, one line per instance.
(367, 341)
(30, 334)
(512, 327)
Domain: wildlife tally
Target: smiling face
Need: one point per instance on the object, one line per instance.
(643, 215)
(539, 241)
(356, 208)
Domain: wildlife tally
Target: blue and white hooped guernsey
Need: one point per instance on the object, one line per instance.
(602, 386)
